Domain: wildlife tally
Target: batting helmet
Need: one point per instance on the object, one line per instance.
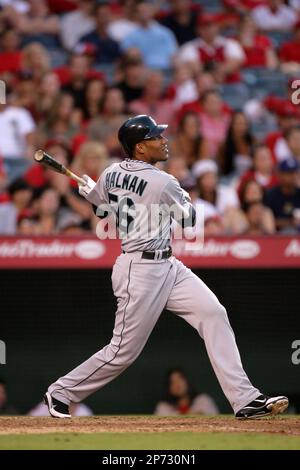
(136, 129)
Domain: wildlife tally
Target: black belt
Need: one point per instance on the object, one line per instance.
(157, 255)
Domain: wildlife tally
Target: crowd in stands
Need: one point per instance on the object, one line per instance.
(179, 397)
(223, 74)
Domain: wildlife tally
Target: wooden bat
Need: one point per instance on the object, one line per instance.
(42, 157)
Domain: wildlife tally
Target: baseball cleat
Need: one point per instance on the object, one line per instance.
(263, 406)
(57, 409)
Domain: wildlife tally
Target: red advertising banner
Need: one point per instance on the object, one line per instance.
(90, 252)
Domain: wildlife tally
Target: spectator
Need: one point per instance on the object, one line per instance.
(214, 120)
(27, 225)
(105, 49)
(93, 98)
(25, 94)
(182, 20)
(77, 409)
(152, 101)
(235, 153)
(39, 25)
(133, 75)
(50, 212)
(292, 137)
(91, 160)
(20, 196)
(260, 219)
(78, 78)
(250, 192)
(189, 144)
(284, 199)
(230, 16)
(105, 127)
(42, 178)
(274, 16)
(47, 210)
(62, 121)
(177, 167)
(79, 66)
(182, 89)
(68, 195)
(71, 225)
(150, 37)
(77, 23)
(213, 226)
(121, 27)
(222, 197)
(35, 61)
(10, 55)
(180, 398)
(287, 118)
(204, 82)
(17, 147)
(290, 53)
(211, 52)
(219, 200)
(5, 407)
(48, 93)
(257, 47)
(262, 170)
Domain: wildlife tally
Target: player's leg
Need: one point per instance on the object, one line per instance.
(142, 290)
(197, 304)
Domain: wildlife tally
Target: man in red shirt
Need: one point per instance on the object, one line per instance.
(290, 52)
(10, 55)
(222, 55)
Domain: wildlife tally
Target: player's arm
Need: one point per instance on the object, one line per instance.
(178, 200)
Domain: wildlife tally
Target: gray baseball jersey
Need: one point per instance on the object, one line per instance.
(145, 287)
(144, 201)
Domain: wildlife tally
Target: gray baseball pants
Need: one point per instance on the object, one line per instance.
(143, 288)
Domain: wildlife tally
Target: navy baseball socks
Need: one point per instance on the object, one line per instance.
(263, 406)
(57, 409)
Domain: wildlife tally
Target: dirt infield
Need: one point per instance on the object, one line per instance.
(289, 426)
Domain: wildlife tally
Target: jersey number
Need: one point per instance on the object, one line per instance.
(124, 210)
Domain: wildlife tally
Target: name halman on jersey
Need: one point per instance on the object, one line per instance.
(132, 183)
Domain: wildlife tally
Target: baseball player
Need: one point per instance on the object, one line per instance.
(146, 278)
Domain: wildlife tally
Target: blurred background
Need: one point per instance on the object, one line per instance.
(225, 76)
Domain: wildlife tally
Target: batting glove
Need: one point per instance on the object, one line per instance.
(84, 190)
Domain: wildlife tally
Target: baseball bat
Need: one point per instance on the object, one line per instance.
(42, 157)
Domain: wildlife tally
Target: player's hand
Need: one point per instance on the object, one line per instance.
(84, 190)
